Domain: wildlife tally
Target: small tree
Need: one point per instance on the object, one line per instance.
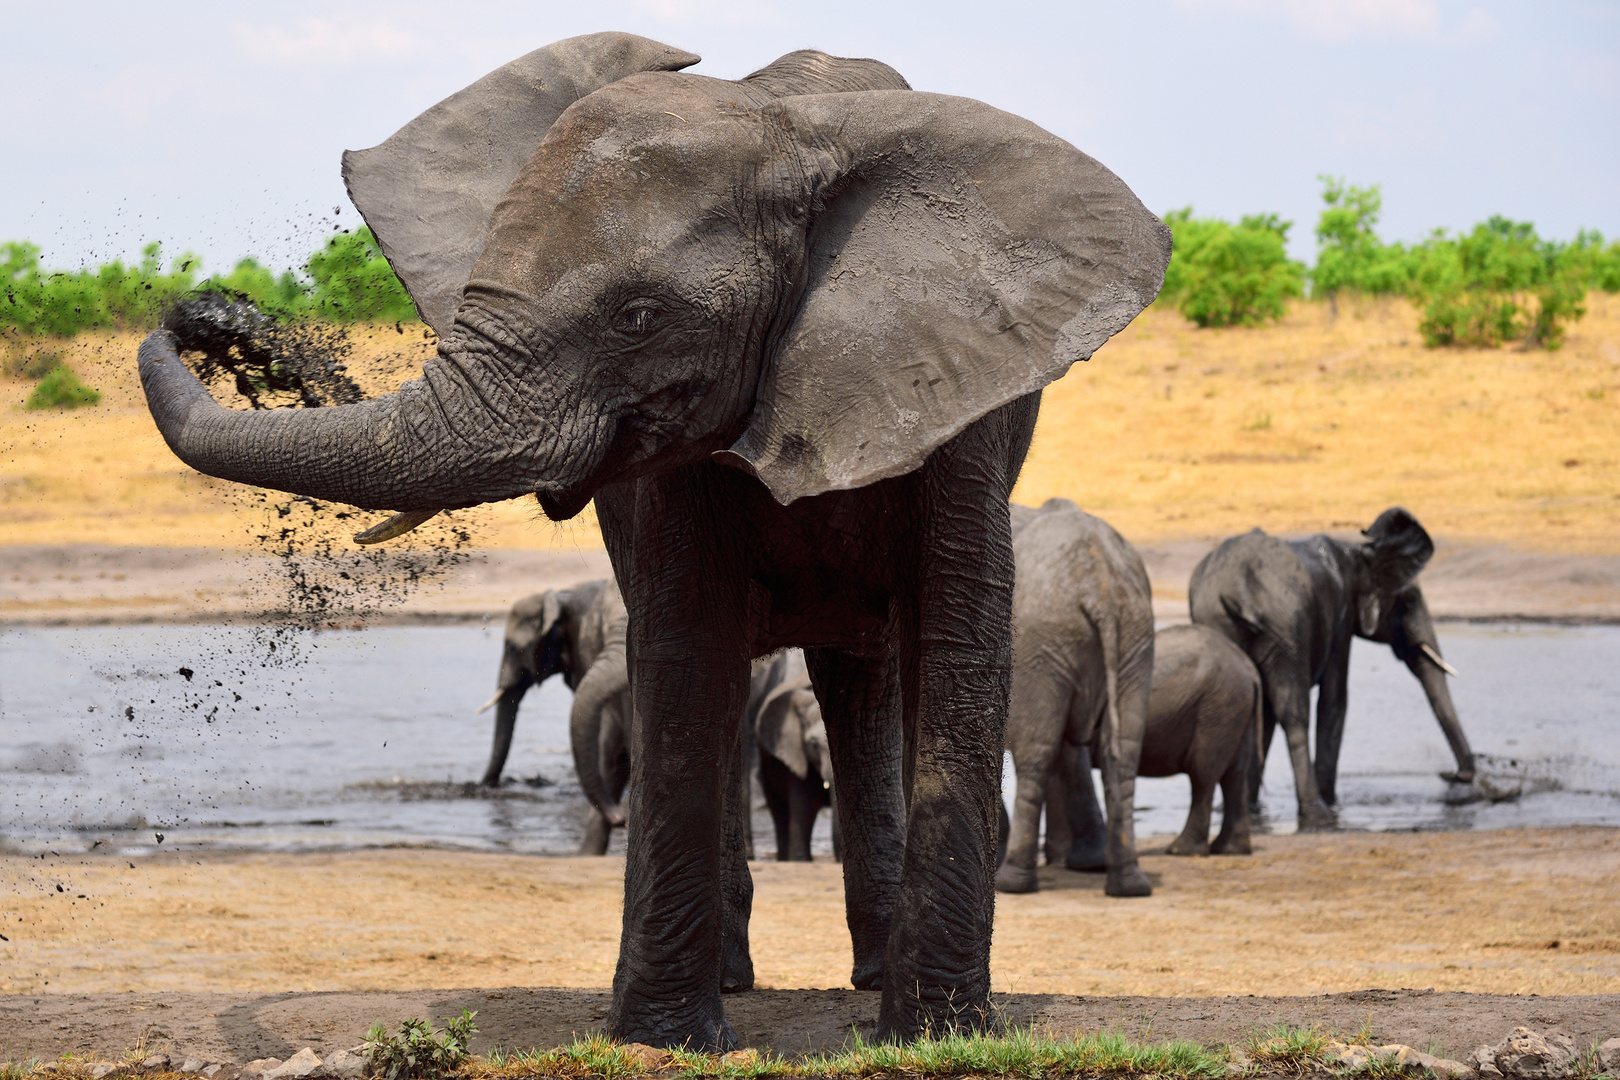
(1349, 254)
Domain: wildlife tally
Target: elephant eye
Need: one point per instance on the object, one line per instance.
(638, 318)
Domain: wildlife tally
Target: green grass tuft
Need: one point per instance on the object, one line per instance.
(61, 389)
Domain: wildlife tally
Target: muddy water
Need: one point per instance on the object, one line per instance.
(369, 737)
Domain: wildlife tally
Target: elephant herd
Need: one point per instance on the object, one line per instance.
(1093, 684)
(789, 333)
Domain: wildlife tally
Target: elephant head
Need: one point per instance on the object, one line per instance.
(539, 643)
(1396, 550)
(649, 268)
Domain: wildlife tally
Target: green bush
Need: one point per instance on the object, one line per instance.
(1501, 282)
(1222, 274)
(348, 280)
(61, 389)
(416, 1052)
(354, 283)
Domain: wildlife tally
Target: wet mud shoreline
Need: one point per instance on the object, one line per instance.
(244, 1027)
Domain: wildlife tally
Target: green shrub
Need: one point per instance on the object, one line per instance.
(1222, 274)
(61, 389)
(1501, 282)
(354, 283)
(417, 1052)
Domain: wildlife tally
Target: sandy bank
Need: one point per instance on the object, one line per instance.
(85, 583)
(260, 955)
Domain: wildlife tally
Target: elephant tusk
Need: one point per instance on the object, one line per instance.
(1441, 664)
(490, 704)
(398, 525)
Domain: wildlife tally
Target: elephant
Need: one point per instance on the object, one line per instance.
(789, 332)
(795, 763)
(1294, 606)
(1205, 713)
(1082, 669)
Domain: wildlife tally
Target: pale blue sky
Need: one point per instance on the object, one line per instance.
(217, 127)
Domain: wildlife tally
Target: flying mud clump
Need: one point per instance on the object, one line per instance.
(324, 580)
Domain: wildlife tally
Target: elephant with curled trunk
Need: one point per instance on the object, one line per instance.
(556, 632)
(789, 333)
(1083, 664)
(1294, 606)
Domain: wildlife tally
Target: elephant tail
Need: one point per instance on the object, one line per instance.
(608, 677)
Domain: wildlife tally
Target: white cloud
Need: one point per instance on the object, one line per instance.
(1341, 20)
(341, 40)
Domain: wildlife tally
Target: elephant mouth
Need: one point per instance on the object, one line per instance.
(560, 503)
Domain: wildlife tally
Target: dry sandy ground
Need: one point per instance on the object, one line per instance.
(227, 951)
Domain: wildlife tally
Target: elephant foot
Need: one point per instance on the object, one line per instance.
(914, 1018)
(1128, 881)
(704, 1030)
(1318, 818)
(1016, 879)
(1237, 844)
(867, 976)
(735, 984)
(1188, 845)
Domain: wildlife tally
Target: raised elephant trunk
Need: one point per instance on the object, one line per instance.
(408, 450)
(608, 677)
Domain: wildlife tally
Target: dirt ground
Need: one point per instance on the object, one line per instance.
(1170, 432)
(261, 954)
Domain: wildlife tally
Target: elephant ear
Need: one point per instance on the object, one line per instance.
(780, 730)
(959, 258)
(428, 191)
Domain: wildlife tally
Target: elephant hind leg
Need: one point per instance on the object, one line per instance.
(597, 833)
(1194, 838)
(1235, 820)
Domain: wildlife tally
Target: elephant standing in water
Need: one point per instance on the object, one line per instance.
(1295, 606)
(1204, 717)
(789, 333)
(1083, 665)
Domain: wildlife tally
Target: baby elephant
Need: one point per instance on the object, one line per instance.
(1204, 718)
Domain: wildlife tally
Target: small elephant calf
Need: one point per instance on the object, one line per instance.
(1204, 719)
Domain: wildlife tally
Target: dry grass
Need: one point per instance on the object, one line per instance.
(1170, 431)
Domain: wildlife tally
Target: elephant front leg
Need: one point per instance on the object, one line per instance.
(937, 970)
(860, 705)
(678, 881)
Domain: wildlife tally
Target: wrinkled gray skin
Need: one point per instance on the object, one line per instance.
(795, 761)
(1295, 606)
(789, 333)
(1083, 666)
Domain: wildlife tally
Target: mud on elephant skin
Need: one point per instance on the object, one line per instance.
(1295, 607)
(1082, 668)
(789, 332)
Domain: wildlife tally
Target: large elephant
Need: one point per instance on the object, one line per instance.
(1083, 665)
(789, 332)
(795, 761)
(1295, 606)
